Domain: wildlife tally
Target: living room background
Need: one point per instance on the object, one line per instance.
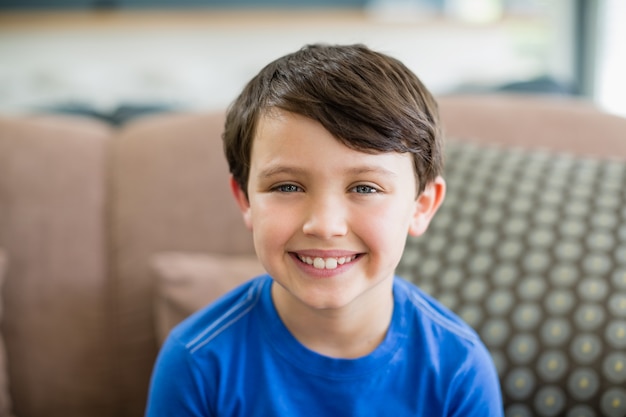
(100, 55)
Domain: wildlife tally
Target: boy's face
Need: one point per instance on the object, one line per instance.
(329, 222)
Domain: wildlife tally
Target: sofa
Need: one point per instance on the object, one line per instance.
(109, 236)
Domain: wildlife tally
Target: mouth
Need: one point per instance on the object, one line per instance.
(318, 262)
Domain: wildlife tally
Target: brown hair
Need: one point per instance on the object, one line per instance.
(369, 101)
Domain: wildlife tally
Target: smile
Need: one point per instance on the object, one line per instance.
(326, 263)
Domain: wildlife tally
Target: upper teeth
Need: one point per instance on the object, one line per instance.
(326, 263)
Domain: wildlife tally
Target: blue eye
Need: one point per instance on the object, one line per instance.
(288, 188)
(365, 189)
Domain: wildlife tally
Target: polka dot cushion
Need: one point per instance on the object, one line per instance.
(529, 248)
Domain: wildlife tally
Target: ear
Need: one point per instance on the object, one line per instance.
(426, 206)
(242, 201)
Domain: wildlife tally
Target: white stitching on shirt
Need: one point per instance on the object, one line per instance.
(213, 330)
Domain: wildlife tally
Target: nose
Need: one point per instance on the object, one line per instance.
(326, 218)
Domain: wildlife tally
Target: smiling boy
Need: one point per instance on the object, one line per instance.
(336, 156)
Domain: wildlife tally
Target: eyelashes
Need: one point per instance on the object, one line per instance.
(288, 188)
(294, 188)
(365, 189)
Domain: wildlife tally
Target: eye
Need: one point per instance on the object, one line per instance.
(364, 189)
(287, 188)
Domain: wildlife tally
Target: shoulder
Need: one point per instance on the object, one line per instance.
(186, 373)
(439, 328)
(430, 311)
(224, 316)
(456, 353)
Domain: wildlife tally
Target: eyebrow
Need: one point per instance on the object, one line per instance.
(280, 169)
(372, 170)
(358, 170)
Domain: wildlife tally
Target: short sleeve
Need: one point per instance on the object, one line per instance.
(178, 387)
(476, 388)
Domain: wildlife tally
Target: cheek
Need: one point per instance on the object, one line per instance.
(386, 227)
(395, 214)
(272, 224)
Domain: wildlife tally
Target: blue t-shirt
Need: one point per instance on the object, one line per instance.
(237, 358)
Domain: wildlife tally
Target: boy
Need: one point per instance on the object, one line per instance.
(335, 155)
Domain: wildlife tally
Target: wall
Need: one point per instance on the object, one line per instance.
(201, 59)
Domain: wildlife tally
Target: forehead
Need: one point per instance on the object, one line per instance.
(288, 141)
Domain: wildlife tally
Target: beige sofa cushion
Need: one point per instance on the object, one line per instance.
(5, 399)
(186, 282)
(170, 185)
(553, 123)
(56, 320)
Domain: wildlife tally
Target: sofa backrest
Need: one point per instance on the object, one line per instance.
(56, 321)
(555, 123)
(169, 192)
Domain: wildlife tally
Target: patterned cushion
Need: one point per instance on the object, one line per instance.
(529, 248)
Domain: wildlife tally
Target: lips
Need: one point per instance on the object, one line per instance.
(319, 262)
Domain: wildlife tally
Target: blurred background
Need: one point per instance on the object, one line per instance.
(101, 56)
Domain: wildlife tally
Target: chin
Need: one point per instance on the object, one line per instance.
(330, 302)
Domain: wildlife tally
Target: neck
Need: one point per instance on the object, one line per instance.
(348, 332)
